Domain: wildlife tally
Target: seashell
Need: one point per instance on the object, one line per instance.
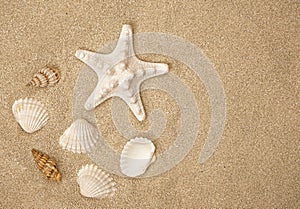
(31, 114)
(136, 156)
(94, 182)
(80, 137)
(47, 76)
(47, 165)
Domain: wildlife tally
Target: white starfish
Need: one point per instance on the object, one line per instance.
(120, 74)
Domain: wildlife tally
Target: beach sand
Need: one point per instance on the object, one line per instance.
(254, 46)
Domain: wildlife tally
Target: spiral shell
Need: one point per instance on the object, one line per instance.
(47, 165)
(95, 183)
(136, 156)
(80, 137)
(31, 114)
(47, 76)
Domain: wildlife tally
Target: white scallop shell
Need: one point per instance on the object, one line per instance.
(47, 76)
(136, 156)
(31, 114)
(94, 182)
(80, 137)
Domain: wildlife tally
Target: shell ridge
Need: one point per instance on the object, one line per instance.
(81, 143)
(85, 143)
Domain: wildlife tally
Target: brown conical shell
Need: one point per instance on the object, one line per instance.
(47, 165)
(47, 76)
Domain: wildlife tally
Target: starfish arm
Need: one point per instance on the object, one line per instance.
(153, 69)
(124, 48)
(94, 60)
(136, 106)
(98, 96)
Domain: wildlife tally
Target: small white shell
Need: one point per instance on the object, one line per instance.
(94, 182)
(136, 156)
(31, 114)
(80, 137)
(47, 76)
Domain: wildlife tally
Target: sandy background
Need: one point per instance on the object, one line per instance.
(255, 49)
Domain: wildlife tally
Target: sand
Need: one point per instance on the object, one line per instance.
(254, 47)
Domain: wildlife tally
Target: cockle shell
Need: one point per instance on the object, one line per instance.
(47, 76)
(80, 137)
(136, 156)
(47, 165)
(94, 182)
(31, 114)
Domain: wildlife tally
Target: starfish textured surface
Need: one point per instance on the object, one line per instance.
(120, 74)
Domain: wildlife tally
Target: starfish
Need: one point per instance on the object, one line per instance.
(120, 74)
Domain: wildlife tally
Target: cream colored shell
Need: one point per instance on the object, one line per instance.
(31, 114)
(80, 137)
(95, 183)
(136, 156)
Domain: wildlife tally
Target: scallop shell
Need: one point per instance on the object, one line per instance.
(47, 165)
(47, 76)
(80, 137)
(136, 156)
(94, 182)
(31, 114)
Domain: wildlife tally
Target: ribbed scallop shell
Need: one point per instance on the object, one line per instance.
(47, 165)
(80, 137)
(136, 156)
(31, 114)
(47, 76)
(95, 183)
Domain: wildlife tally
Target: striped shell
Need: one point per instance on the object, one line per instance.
(136, 156)
(47, 165)
(95, 183)
(80, 137)
(47, 76)
(31, 114)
